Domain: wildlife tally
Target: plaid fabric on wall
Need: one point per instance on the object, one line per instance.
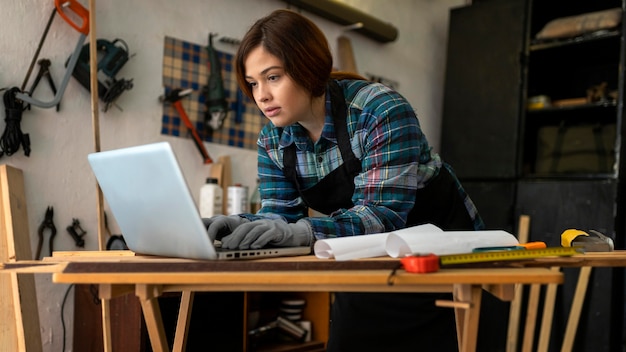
(185, 66)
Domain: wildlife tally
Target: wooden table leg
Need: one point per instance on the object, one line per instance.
(514, 317)
(106, 325)
(531, 318)
(467, 318)
(148, 296)
(577, 306)
(548, 314)
(182, 325)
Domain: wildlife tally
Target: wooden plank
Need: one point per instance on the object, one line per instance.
(19, 323)
(184, 318)
(592, 259)
(504, 293)
(548, 313)
(148, 295)
(516, 305)
(467, 317)
(59, 255)
(615, 258)
(577, 305)
(80, 272)
(227, 266)
(531, 318)
(32, 266)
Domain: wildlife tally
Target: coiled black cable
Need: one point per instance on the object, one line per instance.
(13, 137)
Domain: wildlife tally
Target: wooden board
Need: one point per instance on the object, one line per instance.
(19, 323)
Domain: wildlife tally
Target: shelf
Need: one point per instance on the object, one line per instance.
(590, 37)
(588, 106)
(482, 38)
(571, 176)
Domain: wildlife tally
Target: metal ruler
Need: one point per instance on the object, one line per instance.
(519, 254)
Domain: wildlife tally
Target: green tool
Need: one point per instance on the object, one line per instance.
(215, 97)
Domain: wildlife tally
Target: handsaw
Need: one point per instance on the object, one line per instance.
(65, 8)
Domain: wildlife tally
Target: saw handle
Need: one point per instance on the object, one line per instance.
(78, 9)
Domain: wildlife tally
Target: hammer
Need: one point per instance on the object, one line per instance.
(174, 97)
(590, 241)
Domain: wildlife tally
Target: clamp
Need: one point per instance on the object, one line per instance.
(77, 233)
(47, 223)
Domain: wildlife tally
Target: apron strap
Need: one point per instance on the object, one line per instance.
(339, 114)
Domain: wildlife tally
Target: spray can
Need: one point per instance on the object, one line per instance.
(211, 195)
(237, 199)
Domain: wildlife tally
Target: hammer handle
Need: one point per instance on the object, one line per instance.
(196, 137)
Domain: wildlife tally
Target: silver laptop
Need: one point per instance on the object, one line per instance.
(151, 202)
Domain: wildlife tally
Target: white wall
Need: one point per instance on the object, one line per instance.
(57, 174)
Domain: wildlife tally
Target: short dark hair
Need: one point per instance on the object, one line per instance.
(297, 42)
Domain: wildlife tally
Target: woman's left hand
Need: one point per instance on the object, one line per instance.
(259, 233)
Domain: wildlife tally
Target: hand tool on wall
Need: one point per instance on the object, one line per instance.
(44, 71)
(46, 224)
(79, 11)
(345, 54)
(174, 97)
(77, 233)
(215, 97)
(111, 59)
(115, 242)
(41, 41)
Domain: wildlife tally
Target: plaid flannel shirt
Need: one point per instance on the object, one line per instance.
(385, 136)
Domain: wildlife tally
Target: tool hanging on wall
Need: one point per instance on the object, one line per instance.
(13, 137)
(345, 54)
(77, 233)
(46, 224)
(230, 41)
(215, 97)
(174, 97)
(72, 6)
(44, 71)
(111, 59)
(115, 242)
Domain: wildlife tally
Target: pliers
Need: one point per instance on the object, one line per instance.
(47, 223)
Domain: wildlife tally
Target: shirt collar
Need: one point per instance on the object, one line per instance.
(297, 134)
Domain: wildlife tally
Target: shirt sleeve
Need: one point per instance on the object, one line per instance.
(279, 197)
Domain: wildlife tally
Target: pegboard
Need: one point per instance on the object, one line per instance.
(185, 66)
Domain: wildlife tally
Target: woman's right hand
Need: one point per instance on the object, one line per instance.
(222, 225)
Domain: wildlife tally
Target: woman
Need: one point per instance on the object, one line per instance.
(353, 150)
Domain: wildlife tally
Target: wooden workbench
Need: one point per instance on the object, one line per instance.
(148, 277)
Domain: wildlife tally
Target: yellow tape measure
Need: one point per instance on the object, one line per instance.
(518, 254)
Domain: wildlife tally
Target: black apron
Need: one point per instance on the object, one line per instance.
(384, 321)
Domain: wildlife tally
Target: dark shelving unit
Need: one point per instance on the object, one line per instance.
(490, 135)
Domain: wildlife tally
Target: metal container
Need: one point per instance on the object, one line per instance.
(237, 200)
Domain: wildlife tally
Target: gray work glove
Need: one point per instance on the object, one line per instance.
(278, 233)
(221, 225)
